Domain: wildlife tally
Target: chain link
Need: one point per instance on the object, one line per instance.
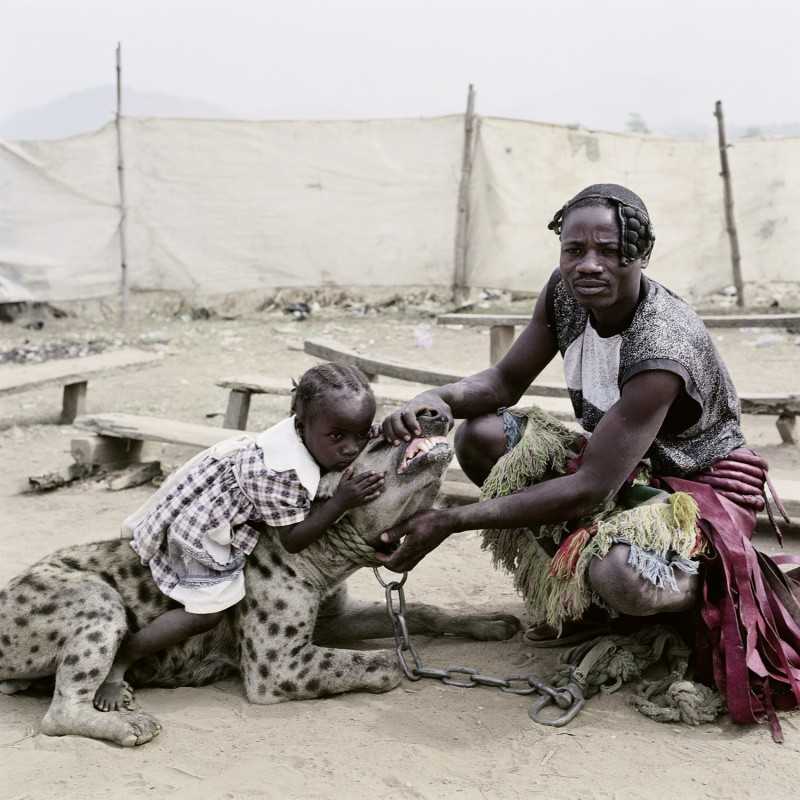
(569, 699)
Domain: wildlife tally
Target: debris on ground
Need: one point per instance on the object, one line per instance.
(194, 313)
(30, 315)
(134, 475)
(361, 303)
(10, 311)
(154, 337)
(30, 353)
(115, 477)
(61, 477)
(299, 311)
(766, 297)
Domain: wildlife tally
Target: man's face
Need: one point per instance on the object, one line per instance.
(590, 260)
(336, 430)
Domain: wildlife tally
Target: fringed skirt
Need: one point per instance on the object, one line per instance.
(749, 624)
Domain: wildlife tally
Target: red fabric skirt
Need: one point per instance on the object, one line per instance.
(748, 636)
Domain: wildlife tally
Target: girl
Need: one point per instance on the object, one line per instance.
(192, 532)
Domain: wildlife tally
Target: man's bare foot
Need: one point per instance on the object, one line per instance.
(114, 696)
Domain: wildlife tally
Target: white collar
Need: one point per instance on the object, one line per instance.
(284, 450)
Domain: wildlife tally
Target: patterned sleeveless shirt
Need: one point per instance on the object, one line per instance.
(702, 424)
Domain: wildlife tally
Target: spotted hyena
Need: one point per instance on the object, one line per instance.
(66, 616)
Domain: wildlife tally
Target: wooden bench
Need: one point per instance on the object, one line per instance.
(243, 388)
(785, 407)
(502, 326)
(118, 437)
(331, 351)
(71, 373)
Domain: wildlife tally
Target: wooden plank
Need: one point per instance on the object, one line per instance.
(483, 320)
(102, 450)
(791, 321)
(73, 401)
(63, 371)
(136, 427)
(385, 394)
(752, 403)
(257, 384)
(786, 424)
(770, 403)
(331, 351)
(153, 429)
(238, 410)
(396, 394)
(501, 337)
(133, 475)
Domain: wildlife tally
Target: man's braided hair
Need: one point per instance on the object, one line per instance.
(637, 235)
(316, 382)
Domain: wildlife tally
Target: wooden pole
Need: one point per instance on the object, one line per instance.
(123, 285)
(730, 222)
(460, 288)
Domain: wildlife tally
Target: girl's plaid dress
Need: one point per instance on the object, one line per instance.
(193, 532)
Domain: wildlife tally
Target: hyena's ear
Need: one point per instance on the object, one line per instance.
(328, 484)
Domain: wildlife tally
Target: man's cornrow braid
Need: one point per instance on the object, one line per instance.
(637, 235)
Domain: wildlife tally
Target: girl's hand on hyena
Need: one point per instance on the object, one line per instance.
(355, 490)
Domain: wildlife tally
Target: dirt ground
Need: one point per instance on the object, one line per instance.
(421, 740)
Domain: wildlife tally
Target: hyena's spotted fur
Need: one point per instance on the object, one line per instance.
(67, 614)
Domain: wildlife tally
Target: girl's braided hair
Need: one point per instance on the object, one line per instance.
(316, 382)
(637, 235)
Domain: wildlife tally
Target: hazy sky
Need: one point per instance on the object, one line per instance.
(591, 62)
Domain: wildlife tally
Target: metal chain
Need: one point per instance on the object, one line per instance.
(569, 699)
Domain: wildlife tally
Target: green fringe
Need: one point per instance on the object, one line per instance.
(542, 453)
(543, 450)
(661, 528)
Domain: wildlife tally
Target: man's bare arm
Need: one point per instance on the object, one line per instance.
(618, 444)
(500, 385)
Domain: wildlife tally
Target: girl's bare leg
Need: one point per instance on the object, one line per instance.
(171, 628)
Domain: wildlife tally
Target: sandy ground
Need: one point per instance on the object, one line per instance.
(420, 740)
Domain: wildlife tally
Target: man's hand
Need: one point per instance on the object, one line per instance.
(420, 534)
(402, 425)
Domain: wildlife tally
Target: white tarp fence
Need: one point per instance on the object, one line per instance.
(218, 206)
(523, 172)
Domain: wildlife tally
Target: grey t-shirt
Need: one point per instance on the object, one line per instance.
(702, 424)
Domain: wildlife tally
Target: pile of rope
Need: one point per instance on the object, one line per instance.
(606, 663)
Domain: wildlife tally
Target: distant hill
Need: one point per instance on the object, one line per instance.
(92, 108)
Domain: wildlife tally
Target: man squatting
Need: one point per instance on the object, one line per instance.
(664, 443)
